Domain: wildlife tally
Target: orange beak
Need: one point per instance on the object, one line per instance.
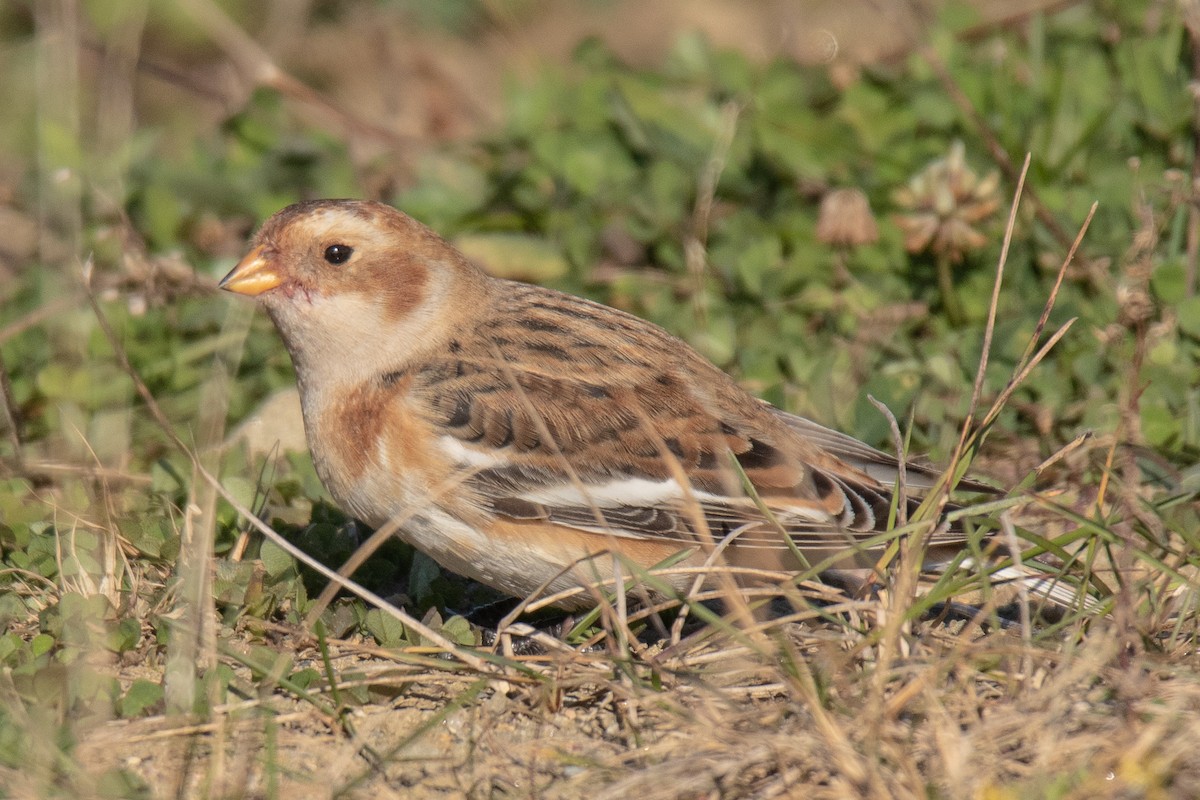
(252, 276)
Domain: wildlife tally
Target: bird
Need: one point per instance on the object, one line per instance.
(540, 442)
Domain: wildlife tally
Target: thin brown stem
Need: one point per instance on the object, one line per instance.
(12, 416)
(945, 276)
(1191, 20)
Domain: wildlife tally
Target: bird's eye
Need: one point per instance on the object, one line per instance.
(338, 253)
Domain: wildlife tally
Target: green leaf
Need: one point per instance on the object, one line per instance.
(386, 629)
(1169, 281)
(680, 126)
(125, 635)
(143, 697)
(1188, 312)
(458, 630)
(305, 677)
(445, 191)
(230, 580)
(515, 256)
(275, 559)
(41, 644)
(421, 575)
(759, 257)
(9, 644)
(242, 488)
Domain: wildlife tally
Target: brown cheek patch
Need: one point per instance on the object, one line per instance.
(399, 287)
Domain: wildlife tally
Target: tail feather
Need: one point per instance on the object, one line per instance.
(1048, 586)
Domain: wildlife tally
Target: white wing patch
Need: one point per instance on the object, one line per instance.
(466, 456)
(626, 492)
(615, 493)
(639, 492)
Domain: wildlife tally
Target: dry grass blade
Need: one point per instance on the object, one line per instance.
(900, 503)
(409, 622)
(845, 754)
(1014, 550)
(912, 550)
(889, 641)
(971, 435)
(1031, 359)
(989, 330)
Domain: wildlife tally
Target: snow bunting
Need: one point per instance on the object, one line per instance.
(526, 437)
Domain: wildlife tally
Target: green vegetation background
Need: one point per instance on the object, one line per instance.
(689, 193)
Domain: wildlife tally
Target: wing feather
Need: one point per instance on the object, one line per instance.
(604, 448)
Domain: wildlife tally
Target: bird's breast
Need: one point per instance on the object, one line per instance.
(372, 449)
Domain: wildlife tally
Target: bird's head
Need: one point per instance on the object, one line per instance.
(351, 284)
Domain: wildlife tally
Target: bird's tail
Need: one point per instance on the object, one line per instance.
(1049, 586)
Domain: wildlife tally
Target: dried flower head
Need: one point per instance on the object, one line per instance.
(944, 202)
(845, 219)
(1135, 305)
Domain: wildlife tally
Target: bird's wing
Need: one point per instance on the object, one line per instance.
(876, 463)
(595, 420)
